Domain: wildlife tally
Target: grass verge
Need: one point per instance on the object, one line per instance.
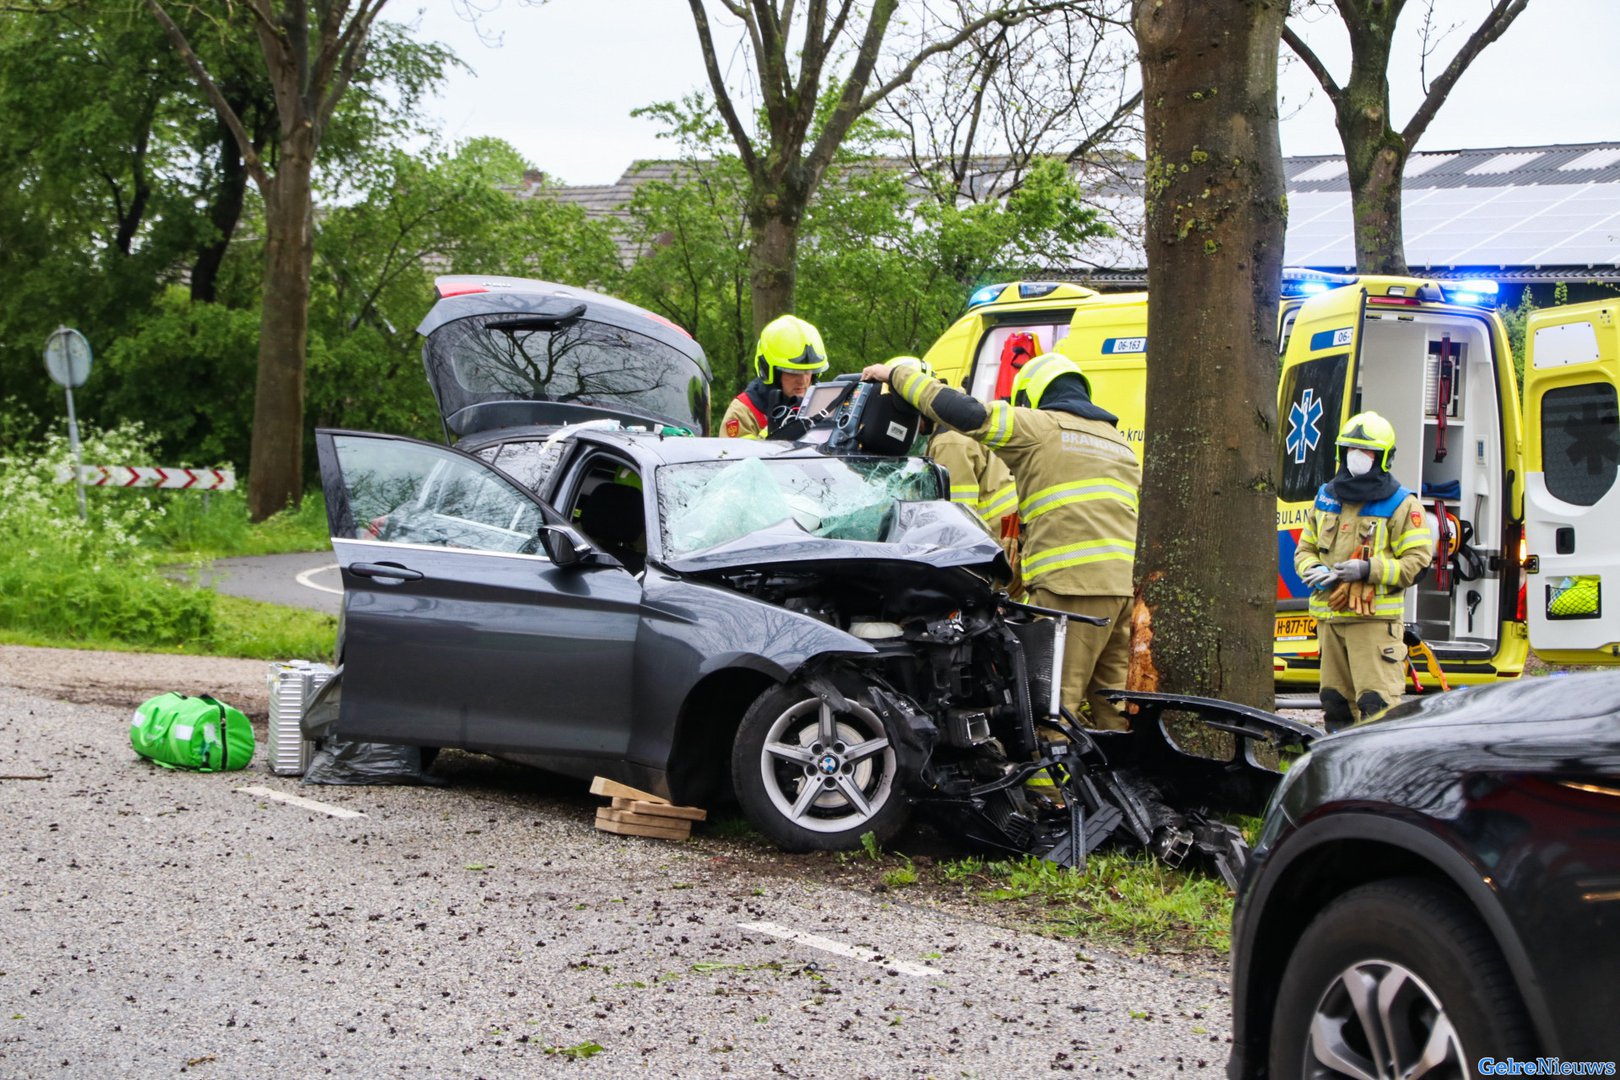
(94, 577)
(236, 627)
(1123, 900)
(1120, 899)
(192, 528)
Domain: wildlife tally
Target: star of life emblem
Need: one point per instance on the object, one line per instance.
(1303, 418)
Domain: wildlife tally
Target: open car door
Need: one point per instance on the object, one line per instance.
(1571, 499)
(458, 629)
(1314, 395)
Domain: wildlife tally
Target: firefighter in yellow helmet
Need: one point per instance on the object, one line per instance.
(786, 361)
(1363, 544)
(979, 479)
(1077, 483)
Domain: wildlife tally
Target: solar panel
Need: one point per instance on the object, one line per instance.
(1601, 158)
(1418, 164)
(1515, 208)
(1502, 163)
(1328, 170)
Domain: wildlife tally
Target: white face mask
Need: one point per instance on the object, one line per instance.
(1359, 462)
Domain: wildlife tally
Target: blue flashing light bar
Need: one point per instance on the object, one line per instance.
(1302, 281)
(985, 294)
(1480, 292)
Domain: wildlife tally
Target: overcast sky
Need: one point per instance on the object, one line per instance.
(562, 81)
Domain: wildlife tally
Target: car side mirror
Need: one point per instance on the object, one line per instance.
(563, 544)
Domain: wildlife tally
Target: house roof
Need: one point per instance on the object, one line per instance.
(1521, 214)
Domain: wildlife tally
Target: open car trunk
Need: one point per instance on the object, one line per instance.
(506, 352)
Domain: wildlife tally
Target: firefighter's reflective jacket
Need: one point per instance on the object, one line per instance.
(748, 415)
(979, 480)
(1397, 540)
(1077, 487)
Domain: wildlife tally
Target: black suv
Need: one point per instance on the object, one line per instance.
(1437, 893)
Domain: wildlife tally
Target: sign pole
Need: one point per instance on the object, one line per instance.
(67, 359)
(78, 456)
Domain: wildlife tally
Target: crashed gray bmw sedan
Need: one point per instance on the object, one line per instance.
(820, 636)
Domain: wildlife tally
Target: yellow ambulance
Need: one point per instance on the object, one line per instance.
(1526, 497)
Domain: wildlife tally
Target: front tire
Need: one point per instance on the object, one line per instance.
(815, 777)
(1395, 979)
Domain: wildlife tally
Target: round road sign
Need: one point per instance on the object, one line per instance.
(67, 357)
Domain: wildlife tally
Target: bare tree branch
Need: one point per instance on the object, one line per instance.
(1123, 112)
(850, 104)
(1313, 62)
(770, 52)
(1494, 26)
(1017, 94)
(1005, 16)
(227, 115)
(351, 52)
(717, 81)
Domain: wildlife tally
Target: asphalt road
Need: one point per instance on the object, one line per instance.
(306, 579)
(163, 922)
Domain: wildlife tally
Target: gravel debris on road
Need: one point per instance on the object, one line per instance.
(160, 922)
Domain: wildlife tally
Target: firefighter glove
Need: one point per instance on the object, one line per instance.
(1319, 576)
(1353, 570)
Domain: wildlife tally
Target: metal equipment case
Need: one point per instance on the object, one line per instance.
(293, 684)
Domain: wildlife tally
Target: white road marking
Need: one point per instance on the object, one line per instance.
(299, 800)
(838, 948)
(303, 579)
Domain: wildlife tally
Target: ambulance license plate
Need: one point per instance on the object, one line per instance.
(1296, 627)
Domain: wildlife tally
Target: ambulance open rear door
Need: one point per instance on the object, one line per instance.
(1315, 394)
(1572, 498)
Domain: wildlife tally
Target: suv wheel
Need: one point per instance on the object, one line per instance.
(815, 778)
(1395, 979)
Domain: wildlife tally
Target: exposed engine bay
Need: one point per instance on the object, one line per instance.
(964, 682)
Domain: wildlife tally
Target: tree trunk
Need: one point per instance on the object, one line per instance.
(276, 467)
(1375, 200)
(1216, 212)
(1374, 152)
(773, 262)
(224, 211)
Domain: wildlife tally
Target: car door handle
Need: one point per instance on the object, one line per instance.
(384, 570)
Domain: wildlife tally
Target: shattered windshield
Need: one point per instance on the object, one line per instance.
(708, 503)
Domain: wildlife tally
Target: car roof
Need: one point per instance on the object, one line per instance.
(1529, 721)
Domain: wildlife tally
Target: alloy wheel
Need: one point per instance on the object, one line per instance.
(1379, 1021)
(827, 771)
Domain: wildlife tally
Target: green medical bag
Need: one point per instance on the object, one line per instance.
(201, 733)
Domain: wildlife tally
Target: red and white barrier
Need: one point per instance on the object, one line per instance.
(146, 476)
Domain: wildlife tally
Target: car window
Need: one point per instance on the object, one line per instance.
(1579, 451)
(703, 504)
(606, 505)
(415, 494)
(528, 461)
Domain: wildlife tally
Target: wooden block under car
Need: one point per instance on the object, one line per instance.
(626, 824)
(661, 809)
(601, 785)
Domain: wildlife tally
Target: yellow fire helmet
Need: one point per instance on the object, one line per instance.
(1034, 377)
(1369, 431)
(788, 343)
